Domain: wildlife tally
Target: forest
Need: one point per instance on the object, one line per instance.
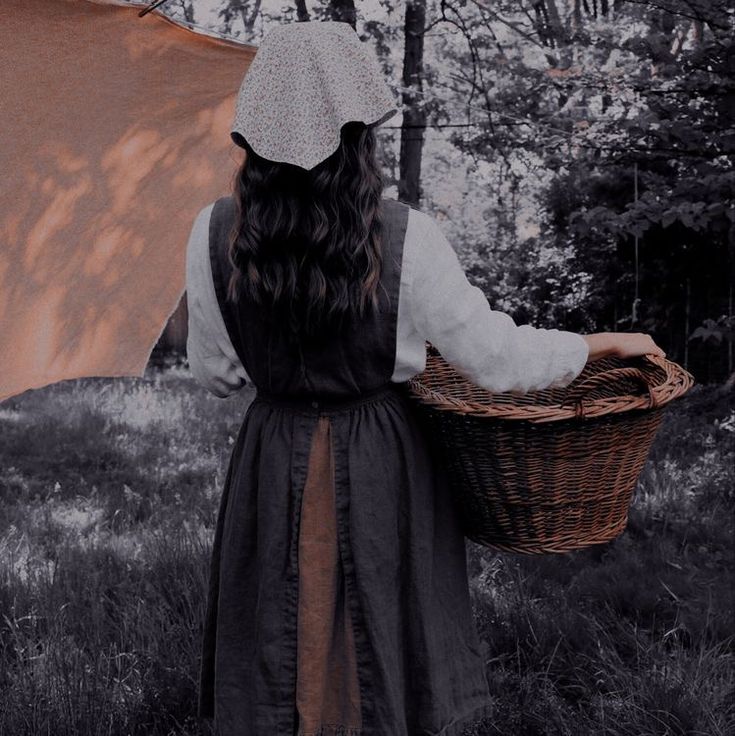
(579, 153)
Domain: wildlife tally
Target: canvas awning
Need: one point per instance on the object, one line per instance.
(115, 133)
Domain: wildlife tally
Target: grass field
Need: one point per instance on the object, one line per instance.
(109, 493)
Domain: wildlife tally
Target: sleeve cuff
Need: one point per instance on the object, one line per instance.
(573, 358)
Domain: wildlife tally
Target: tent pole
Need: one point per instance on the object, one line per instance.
(152, 6)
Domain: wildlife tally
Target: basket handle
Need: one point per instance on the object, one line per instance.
(578, 393)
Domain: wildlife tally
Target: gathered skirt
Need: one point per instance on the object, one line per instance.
(338, 600)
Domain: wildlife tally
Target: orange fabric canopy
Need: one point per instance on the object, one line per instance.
(115, 134)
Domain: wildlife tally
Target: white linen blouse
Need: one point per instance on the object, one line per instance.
(436, 303)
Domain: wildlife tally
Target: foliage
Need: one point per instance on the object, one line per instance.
(629, 107)
(716, 330)
(589, 145)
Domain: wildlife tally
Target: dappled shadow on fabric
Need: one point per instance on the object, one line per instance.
(117, 134)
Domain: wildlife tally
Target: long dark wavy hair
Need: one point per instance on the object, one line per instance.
(307, 244)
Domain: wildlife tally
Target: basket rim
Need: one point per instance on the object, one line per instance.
(677, 382)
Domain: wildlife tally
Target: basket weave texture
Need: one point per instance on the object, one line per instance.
(547, 471)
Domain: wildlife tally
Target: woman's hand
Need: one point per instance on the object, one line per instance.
(621, 345)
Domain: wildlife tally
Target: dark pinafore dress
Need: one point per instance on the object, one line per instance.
(338, 599)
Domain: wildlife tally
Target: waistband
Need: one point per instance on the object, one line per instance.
(322, 403)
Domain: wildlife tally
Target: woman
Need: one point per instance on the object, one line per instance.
(339, 601)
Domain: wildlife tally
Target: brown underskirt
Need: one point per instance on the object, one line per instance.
(327, 692)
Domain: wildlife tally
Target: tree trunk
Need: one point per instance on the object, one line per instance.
(687, 305)
(414, 117)
(188, 9)
(560, 35)
(343, 10)
(301, 12)
(730, 324)
(576, 17)
(249, 20)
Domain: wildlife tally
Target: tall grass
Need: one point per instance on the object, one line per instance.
(109, 491)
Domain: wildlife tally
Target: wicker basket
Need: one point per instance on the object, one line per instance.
(553, 470)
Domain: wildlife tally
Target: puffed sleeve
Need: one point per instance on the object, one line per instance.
(484, 345)
(211, 355)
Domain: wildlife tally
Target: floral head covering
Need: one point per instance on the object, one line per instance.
(307, 80)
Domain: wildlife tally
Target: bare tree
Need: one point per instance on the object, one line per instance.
(301, 12)
(414, 116)
(343, 10)
(187, 8)
(247, 10)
